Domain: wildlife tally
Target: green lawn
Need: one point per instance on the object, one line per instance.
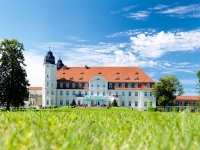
(87, 128)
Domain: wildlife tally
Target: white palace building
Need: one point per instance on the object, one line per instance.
(94, 86)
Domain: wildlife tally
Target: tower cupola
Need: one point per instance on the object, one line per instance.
(59, 64)
(49, 58)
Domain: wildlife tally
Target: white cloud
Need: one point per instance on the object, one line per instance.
(140, 15)
(192, 11)
(159, 6)
(128, 8)
(34, 68)
(158, 44)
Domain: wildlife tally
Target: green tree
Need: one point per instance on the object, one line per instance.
(13, 82)
(114, 103)
(198, 82)
(197, 105)
(166, 90)
(73, 103)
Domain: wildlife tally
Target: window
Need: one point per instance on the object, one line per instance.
(98, 79)
(145, 104)
(67, 85)
(79, 92)
(61, 92)
(86, 93)
(61, 84)
(104, 85)
(145, 93)
(194, 103)
(97, 85)
(47, 83)
(136, 93)
(110, 93)
(73, 85)
(123, 94)
(136, 85)
(79, 102)
(91, 92)
(92, 85)
(47, 76)
(47, 92)
(123, 85)
(52, 103)
(116, 93)
(86, 85)
(136, 104)
(122, 103)
(98, 93)
(47, 102)
(130, 85)
(61, 102)
(67, 92)
(73, 92)
(148, 85)
(80, 85)
(150, 103)
(67, 102)
(186, 103)
(110, 85)
(150, 93)
(129, 93)
(177, 103)
(51, 84)
(129, 103)
(116, 85)
(52, 93)
(104, 93)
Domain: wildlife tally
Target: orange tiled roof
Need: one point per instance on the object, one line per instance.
(35, 88)
(188, 98)
(111, 74)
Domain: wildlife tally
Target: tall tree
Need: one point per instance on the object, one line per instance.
(198, 82)
(166, 90)
(13, 82)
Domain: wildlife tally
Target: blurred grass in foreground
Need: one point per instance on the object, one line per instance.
(104, 129)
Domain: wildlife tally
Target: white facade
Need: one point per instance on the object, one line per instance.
(57, 92)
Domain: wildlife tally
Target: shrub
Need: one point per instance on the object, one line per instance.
(114, 103)
(150, 108)
(174, 109)
(73, 103)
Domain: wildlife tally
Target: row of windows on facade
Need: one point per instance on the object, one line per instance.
(130, 85)
(186, 103)
(104, 93)
(92, 102)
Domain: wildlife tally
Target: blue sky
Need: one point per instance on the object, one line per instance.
(162, 37)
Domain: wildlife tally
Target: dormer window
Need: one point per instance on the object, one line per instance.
(117, 78)
(62, 79)
(136, 73)
(127, 78)
(99, 73)
(137, 78)
(123, 85)
(130, 85)
(80, 85)
(73, 85)
(82, 73)
(67, 85)
(117, 73)
(61, 84)
(110, 85)
(116, 85)
(148, 85)
(136, 85)
(80, 78)
(71, 79)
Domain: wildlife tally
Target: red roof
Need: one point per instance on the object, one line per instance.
(187, 98)
(35, 88)
(111, 74)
